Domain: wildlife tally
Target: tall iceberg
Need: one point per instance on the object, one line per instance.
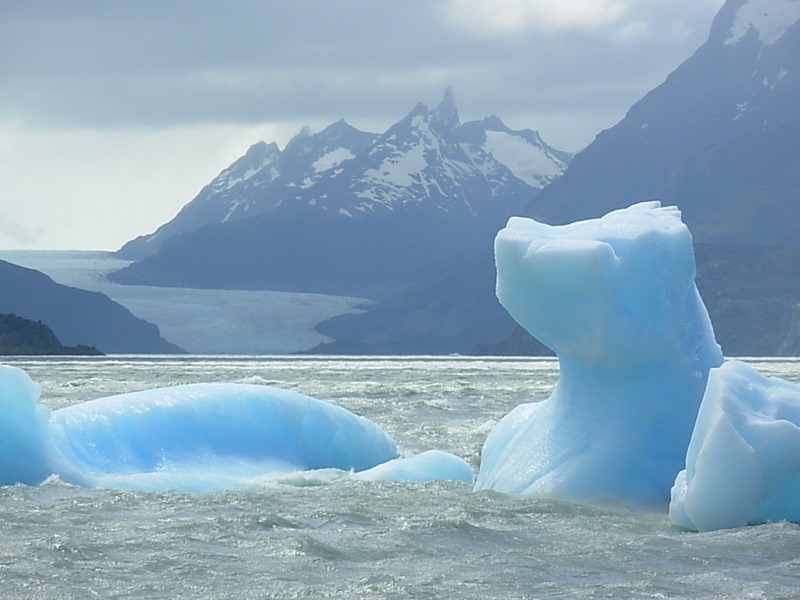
(615, 299)
(743, 462)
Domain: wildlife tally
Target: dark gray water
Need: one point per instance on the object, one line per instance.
(324, 535)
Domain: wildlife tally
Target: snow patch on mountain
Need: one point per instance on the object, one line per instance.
(332, 159)
(770, 18)
(771, 83)
(399, 170)
(528, 163)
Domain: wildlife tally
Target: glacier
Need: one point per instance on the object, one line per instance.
(743, 461)
(615, 299)
(196, 438)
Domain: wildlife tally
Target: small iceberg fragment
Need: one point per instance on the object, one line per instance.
(420, 468)
(27, 452)
(743, 461)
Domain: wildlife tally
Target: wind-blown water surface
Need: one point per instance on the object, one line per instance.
(326, 535)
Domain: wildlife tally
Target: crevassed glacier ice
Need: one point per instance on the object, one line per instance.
(195, 438)
(615, 299)
(743, 461)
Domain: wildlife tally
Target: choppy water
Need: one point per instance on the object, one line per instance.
(327, 536)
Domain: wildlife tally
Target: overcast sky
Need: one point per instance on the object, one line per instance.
(114, 114)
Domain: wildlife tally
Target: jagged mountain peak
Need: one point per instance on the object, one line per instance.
(334, 129)
(447, 112)
(337, 126)
(494, 123)
(301, 142)
(260, 149)
(427, 161)
(341, 131)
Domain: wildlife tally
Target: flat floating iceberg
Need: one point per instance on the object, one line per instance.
(193, 438)
(743, 462)
(197, 438)
(615, 299)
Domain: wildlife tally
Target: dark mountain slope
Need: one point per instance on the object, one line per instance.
(77, 317)
(737, 99)
(720, 138)
(26, 337)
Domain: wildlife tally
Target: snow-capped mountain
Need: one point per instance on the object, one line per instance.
(428, 161)
(258, 181)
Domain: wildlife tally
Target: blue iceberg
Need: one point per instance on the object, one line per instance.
(645, 409)
(743, 462)
(420, 468)
(195, 438)
(203, 437)
(615, 299)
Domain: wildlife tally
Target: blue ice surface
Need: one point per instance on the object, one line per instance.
(615, 299)
(743, 462)
(420, 468)
(645, 409)
(194, 438)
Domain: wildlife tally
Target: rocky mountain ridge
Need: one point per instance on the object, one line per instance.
(427, 162)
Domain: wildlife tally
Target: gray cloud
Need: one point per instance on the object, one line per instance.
(154, 63)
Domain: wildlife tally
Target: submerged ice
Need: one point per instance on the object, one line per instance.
(615, 299)
(194, 438)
